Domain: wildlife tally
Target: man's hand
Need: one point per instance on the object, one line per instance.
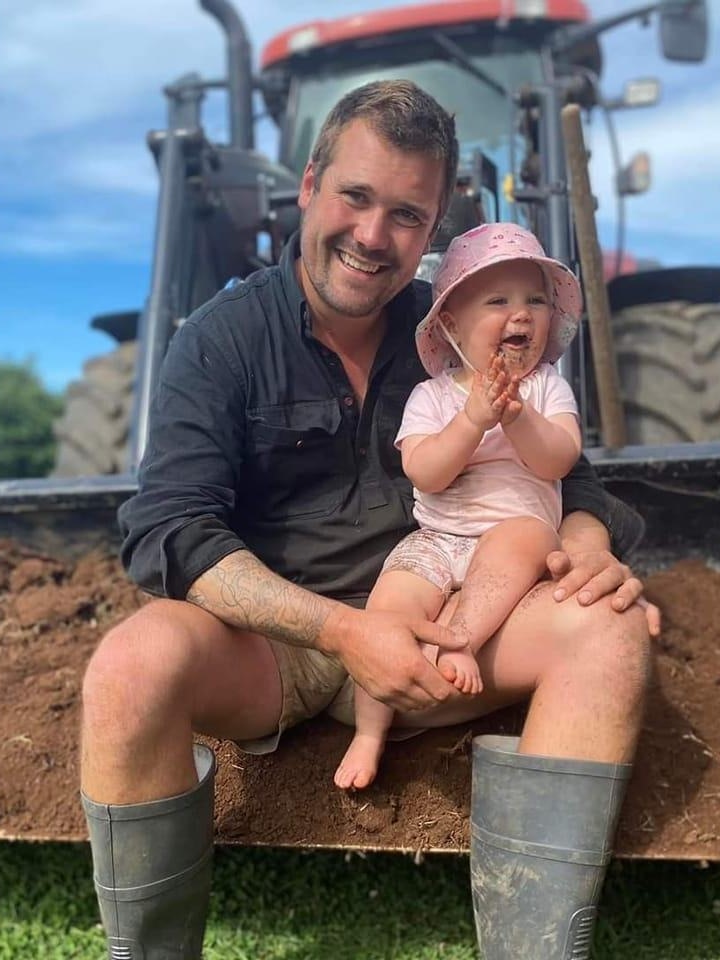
(594, 574)
(381, 652)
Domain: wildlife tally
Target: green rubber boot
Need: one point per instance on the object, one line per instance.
(153, 864)
(541, 834)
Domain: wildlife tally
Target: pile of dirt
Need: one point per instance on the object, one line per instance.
(53, 613)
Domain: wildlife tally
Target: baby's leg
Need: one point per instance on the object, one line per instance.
(508, 560)
(402, 592)
(358, 767)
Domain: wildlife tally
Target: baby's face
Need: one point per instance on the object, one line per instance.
(504, 308)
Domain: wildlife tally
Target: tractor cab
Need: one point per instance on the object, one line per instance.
(475, 59)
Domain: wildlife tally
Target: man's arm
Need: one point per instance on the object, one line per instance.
(583, 491)
(178, 523)
(379, 650)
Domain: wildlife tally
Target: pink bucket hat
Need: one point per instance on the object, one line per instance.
(480, 248)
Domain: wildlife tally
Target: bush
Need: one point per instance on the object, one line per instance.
(27, 445)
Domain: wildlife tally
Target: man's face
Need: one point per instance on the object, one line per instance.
(366, 224)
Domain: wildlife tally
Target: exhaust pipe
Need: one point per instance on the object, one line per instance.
(239, 72)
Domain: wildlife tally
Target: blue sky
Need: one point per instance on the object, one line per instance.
(80, 88)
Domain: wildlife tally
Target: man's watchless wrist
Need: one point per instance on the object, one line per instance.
(336, 629)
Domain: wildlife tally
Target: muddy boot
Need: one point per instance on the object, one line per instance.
(540, 845)
(152, 865)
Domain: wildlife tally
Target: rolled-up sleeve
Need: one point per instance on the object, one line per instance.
(179, 524)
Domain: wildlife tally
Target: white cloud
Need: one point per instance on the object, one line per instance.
(74, 63)
(81, 61)
(68, 234)
(120, 168)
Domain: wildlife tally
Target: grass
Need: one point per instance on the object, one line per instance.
(290, 905)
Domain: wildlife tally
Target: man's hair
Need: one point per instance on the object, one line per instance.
(402, 114)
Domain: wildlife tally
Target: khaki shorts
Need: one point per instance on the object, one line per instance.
(312, 682)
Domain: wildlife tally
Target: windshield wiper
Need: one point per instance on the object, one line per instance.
(458, 56)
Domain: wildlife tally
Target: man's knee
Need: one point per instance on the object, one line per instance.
(138, 664)
(614, 646)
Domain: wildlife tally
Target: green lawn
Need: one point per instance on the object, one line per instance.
(287, 905)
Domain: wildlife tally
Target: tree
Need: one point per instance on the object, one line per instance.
(27, 411)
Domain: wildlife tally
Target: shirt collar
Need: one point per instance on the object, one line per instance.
(293, 291)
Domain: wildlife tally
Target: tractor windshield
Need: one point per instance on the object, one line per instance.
(476, 88)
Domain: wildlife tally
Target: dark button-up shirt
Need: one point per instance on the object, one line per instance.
(257, 442)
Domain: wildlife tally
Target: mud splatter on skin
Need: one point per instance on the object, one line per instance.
(516, 359)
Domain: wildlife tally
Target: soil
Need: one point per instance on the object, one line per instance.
(54, 612)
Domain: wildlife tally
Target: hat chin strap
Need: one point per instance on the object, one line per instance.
(454, 345)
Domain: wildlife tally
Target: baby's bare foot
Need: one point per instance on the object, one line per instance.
(447, 668)
(358, 767)
(461, 670)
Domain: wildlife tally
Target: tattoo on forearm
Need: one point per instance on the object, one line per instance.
(244, 592)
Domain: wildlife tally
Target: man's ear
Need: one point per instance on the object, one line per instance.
(307, 186)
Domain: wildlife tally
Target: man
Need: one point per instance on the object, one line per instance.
(269, 495)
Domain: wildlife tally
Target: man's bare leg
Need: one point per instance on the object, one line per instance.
(169, 669)
(508, 560)
(590, 700)
(585, 670)
(401, 591)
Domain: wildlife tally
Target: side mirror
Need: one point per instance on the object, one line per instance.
(635, 177)
(684, 30)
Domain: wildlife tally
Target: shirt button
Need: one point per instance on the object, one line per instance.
(348, 401)
(362, 451)
(299, 443)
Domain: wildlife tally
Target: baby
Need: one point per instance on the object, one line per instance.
(485, 443)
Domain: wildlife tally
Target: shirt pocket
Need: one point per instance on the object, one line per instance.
(297, 460)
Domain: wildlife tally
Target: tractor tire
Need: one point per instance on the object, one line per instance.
(669, 368)
(92, 435)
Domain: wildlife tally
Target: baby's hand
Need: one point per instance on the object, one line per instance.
(513, 402)
(485, 405)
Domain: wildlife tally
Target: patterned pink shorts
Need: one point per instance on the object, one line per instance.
(441, 558)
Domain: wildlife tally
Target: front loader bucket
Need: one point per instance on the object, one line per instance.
(65, 517)
(61, 587)
(677, 491)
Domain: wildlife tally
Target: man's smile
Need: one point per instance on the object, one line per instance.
(358, 263)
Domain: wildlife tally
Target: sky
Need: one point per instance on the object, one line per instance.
(80, 87)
